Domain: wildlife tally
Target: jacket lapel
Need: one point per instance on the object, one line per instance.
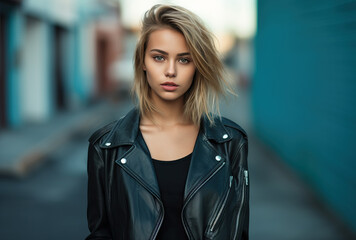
(206, 160)
(139, 165)
(136, 161)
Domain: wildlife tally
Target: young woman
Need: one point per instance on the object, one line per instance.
(171, 168)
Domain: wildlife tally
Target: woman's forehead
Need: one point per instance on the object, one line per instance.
(167, 40)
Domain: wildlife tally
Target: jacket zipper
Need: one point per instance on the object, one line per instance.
(245, 173)
(222, 206)
(193, 192)
(246, 177)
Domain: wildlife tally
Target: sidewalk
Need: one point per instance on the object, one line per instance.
(24, 149)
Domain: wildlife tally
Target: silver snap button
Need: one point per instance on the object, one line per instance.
(107, 144)
(225, 136)
(123, 160)
(217, 158)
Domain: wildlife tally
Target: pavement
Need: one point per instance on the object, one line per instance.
(24, 149)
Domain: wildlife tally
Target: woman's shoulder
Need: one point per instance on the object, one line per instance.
(102, 131)
(234, 128)
(122, 128)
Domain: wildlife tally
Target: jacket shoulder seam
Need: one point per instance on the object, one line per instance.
(228, 123)
(101, 132)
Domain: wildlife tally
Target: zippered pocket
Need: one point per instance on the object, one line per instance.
(222, 207)
(243, 200)
(246, 177)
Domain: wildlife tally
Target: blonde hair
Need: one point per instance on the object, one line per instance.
(209, 81)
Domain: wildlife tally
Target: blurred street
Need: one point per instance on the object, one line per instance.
(50, 203)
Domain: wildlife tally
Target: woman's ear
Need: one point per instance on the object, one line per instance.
(144, 67)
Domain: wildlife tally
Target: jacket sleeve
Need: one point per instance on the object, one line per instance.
(96, 211)
(240, 167)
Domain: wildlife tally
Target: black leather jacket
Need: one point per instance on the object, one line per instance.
(124, 198)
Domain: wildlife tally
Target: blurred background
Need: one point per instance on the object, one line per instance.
(66, 69)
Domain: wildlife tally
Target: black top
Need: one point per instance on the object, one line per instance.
(171, 176)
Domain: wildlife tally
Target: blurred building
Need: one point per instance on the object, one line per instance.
(304, 94)
(55, 55)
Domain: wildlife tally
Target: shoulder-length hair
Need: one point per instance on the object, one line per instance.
(209, 81)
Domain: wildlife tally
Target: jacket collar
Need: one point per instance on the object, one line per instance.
(126, 129)
(206, 160)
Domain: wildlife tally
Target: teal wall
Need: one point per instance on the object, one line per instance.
(304, 93)
(13, 39)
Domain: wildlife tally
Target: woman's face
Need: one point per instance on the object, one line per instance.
(168, 65)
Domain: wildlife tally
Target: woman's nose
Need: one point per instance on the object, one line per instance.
(171, 69)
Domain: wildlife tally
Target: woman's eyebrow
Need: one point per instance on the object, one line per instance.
(160, 51)
(165, 53)
(183, 54)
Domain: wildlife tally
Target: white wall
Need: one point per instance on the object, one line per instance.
(35, 86)
(60, 11)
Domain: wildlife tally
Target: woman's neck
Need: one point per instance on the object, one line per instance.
(169, 113)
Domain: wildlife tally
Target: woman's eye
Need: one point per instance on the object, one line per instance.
(184, 60)
(158, 58)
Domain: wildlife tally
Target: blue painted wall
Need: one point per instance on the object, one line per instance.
(13, 56)
(304, 93)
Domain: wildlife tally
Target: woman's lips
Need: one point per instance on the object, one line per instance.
(169, 86)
